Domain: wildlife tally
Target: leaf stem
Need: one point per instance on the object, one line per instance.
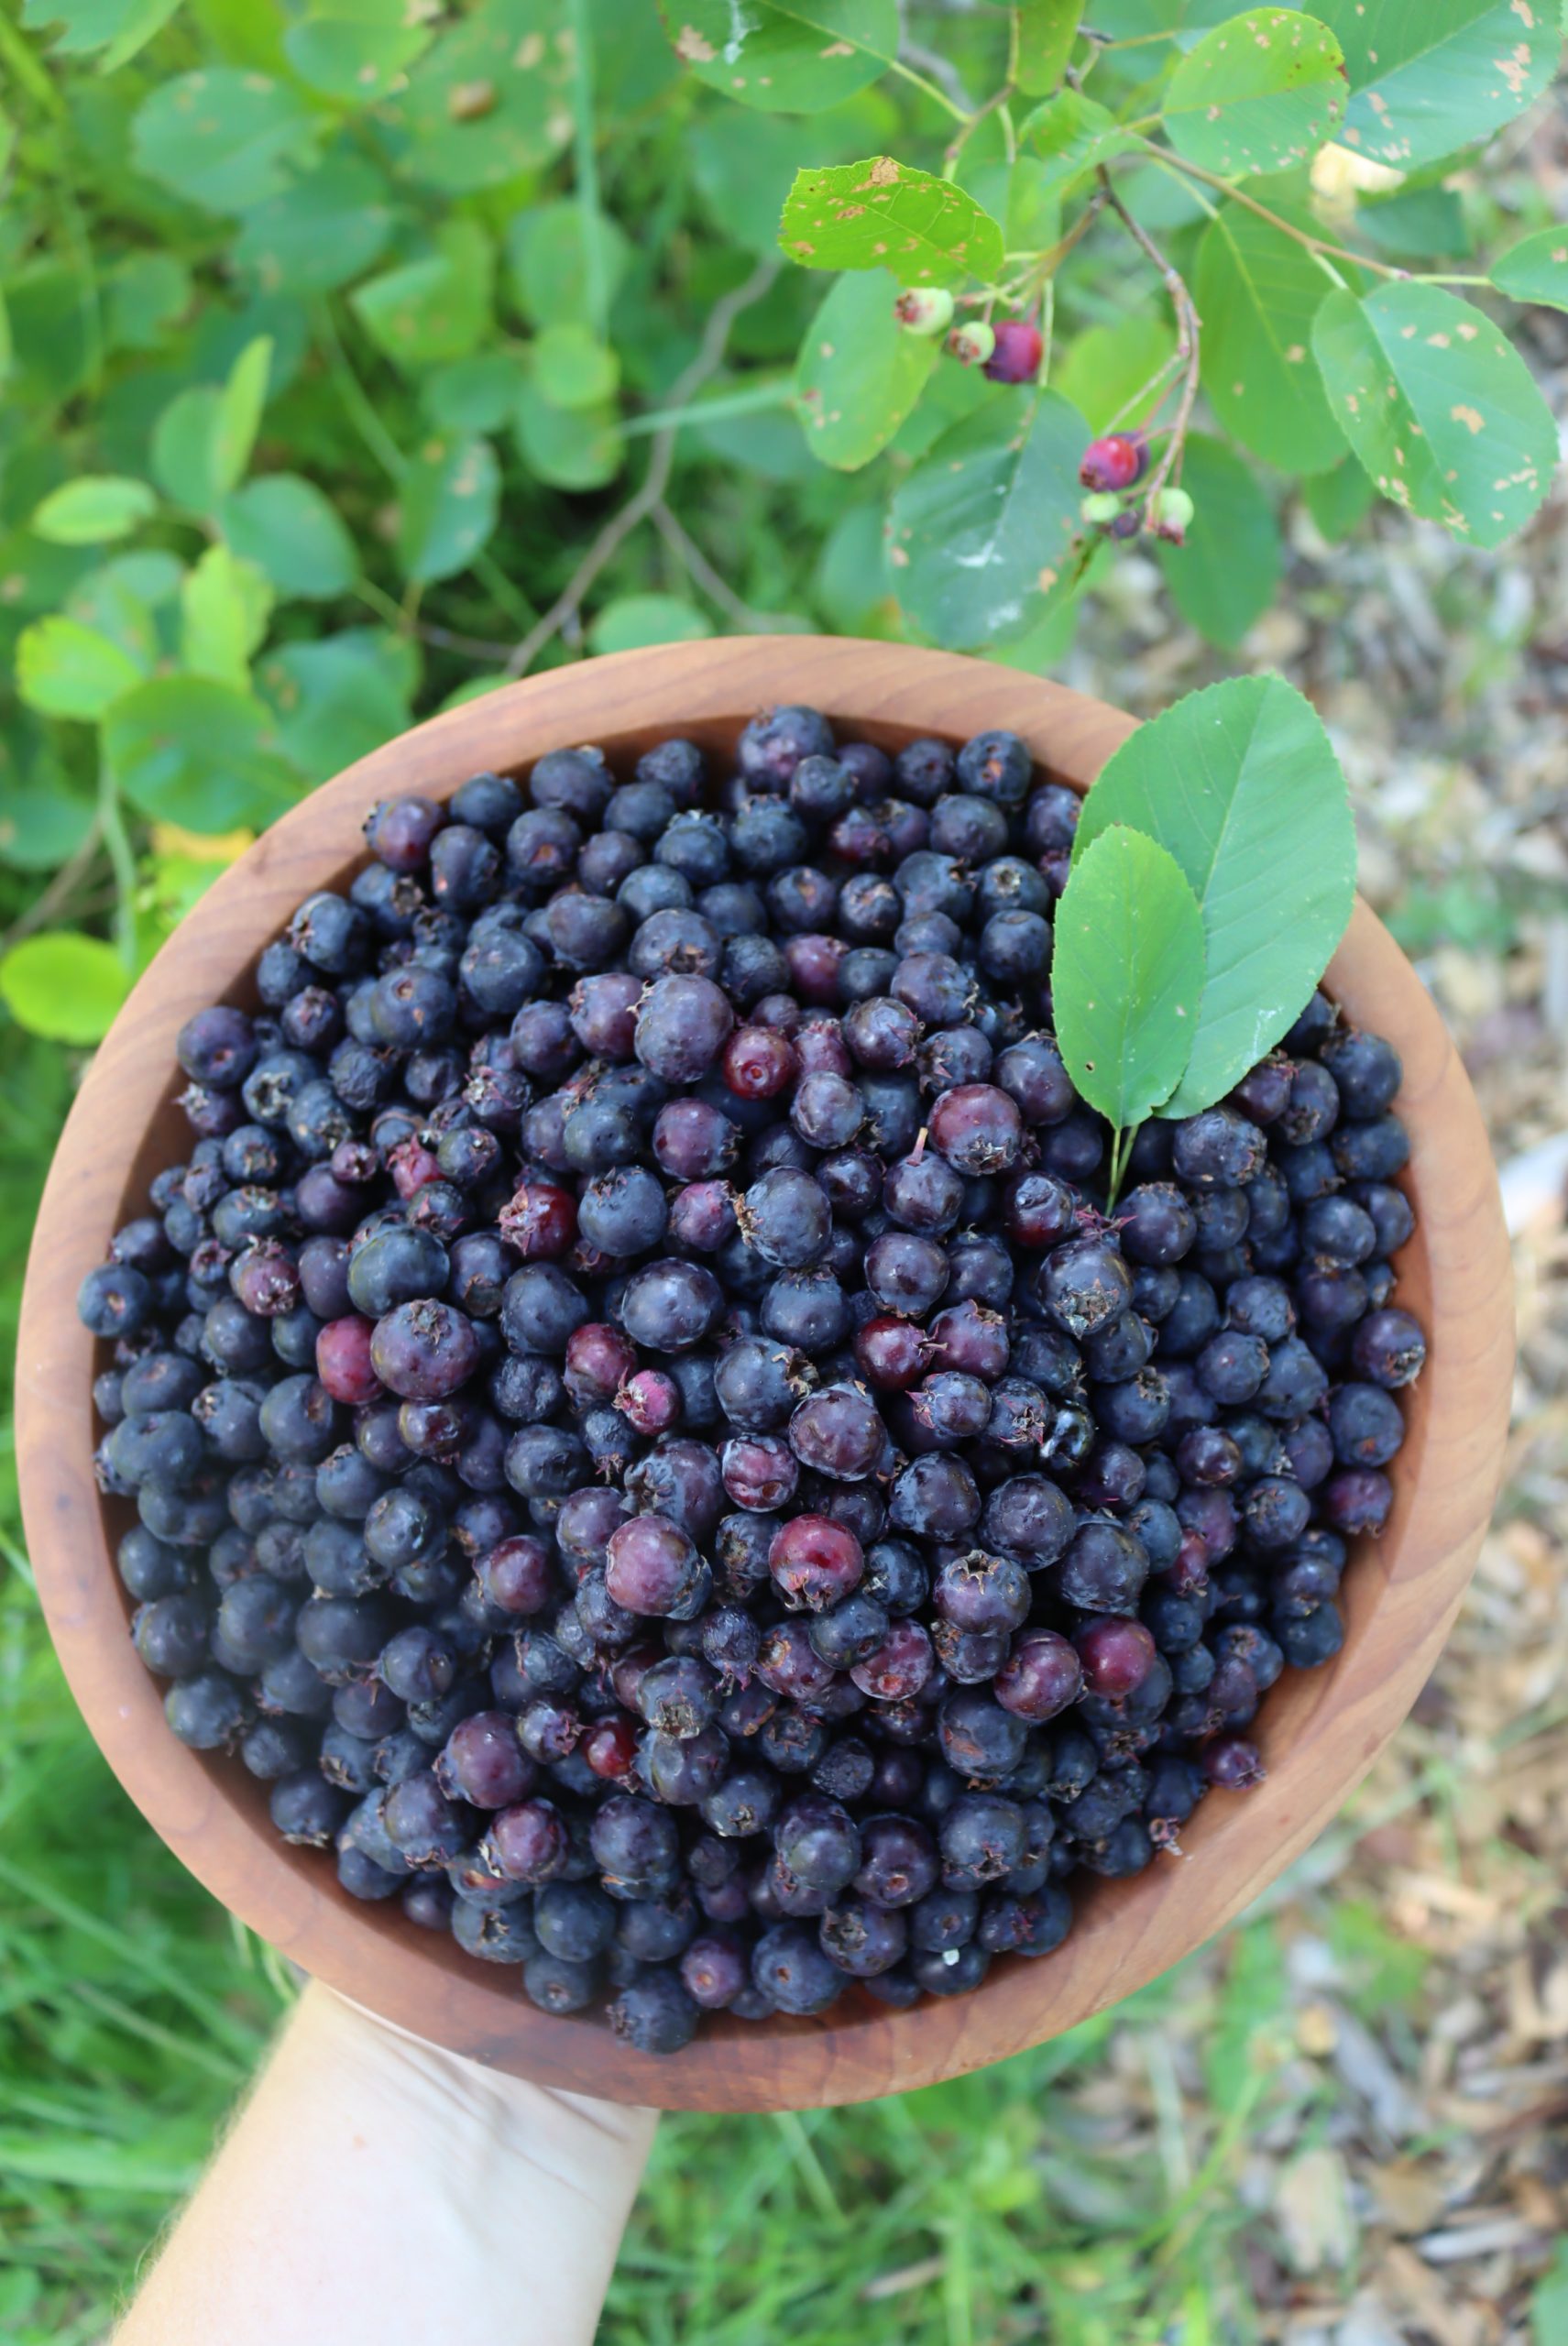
(747, 399)
(995, 103)
(1188, 332)
(1144, 390)
(1302, 236)
(116, 841)
(356, 403)
(932, 90)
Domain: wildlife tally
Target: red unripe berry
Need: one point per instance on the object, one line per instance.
(1017, 353)
(1040, 1677)
(814, 1561)
(892, 1353)
(599, 1361)
(411, 1164)
(540, 1221)
(758, 1062)
(342, 1361)
(1114, 462)
(1117, 1656)
(610, 1748)
(1233, 1764)
(649, 1402)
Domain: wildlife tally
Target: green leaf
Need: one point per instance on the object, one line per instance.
(1439, 409)
(1047, 31)
(784, 56)
(1419, 223)
(291, 532)
(852, 584)
(63, 985)
(238, 416)
(337, 699)
(982, 532)
(353, 59)
(65, 669)
(52, 309)
(572, 368)
(146, 294)
(1257, 94)
(1428, 80)
(224, 604)
(633, 620)
(41, 825)
(744, 163)
(320, 232)
(1104, 368)
(434, 309)
(184, 448)
(1240, 784)
(880, 213)
(448, 505)
(1257, 292)
(1549, 2301)
(472, 394)
(121, 599)
(1536, 269)
(189, 751)
(859, 373)
(1337, 500)
(568, 447)
(1073, 135)
(1126, 975)
(92, 511)
(492, 100)
(119, 28)
(222, 139)
(1225, 575)
(546, 262)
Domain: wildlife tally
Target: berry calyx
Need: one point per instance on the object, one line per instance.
(1114, 461)
(972, 344)
(1017, 354)
(924, 308)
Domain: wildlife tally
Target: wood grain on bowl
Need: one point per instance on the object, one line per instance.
(1319, 1731)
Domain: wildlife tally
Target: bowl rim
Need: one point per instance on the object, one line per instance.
(1319, 1732)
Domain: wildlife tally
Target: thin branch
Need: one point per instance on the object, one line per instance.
(953, 155)
(701, 572)
(360, 407)
(945, 83)
(640, 504)
(111, 830)
(1188, 329)
(1302, 236)
(60, 889)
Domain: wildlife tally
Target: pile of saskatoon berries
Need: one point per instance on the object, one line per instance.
(642, 1432)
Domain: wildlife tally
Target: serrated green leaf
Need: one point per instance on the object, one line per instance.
(93, 510)
(568, 447)
(434, 309)
(189, 751)
(448, 506)
(222, 139)
(491, 99)
(546, 262)
(1257, 292)
(1535, 270)
(1257, 94)
(784, 56)
(858, 372)
(1427, 80)
(291, 532)
(63, 985)
(1240, 784)
(1126, 974)
(238, 416)
(1104, 368)
(225, 605)
(1439, 409)
(982, 534)
(354, 60)
(880, 213)
(322, 231)
(1073, 135)
(1338, 499)
(633, 620)
(1225, 574)
(572, 367)
(65, 669)
(1047, 31)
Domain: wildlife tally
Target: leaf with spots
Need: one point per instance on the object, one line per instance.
(1126, 974)
(1441, 412)
(223, 140)
(1047, 31)
(984, 532)
(859, 373)
(1258, 93)
(784, 56)
(1536, 270)
(886, 215)
(1074, 136)
(1225, 576)
(448, 506)
(490, 100)
(1427, 77)
(1240, 784)
(1257, 291)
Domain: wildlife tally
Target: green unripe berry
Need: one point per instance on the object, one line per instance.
(972, 344)
(924, 308)
(1173, 509)
(1100, 507)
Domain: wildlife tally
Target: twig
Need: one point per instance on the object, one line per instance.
(1188, 329)
(640, 504)
(1302, 236)
(60, 889)
(955, 145)
(444, 639)
(718, 589)
(112, 827)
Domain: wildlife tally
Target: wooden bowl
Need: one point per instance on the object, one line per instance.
(1319, 1730)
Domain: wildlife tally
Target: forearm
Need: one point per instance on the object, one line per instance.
(376, 2190)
